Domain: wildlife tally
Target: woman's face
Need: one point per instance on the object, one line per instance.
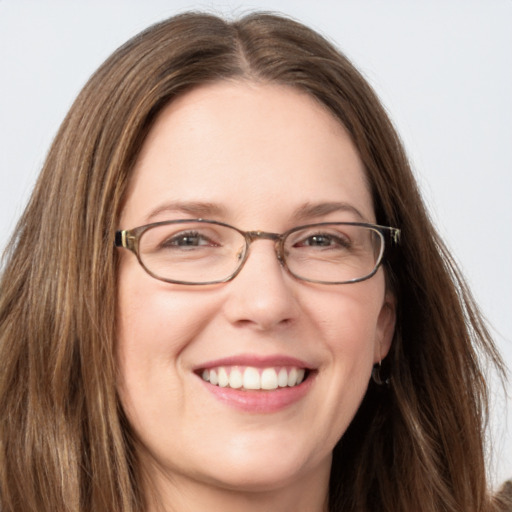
(259, 157)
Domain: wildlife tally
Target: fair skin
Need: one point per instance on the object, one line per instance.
(251, 155)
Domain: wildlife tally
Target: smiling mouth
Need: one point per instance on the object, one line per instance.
(250, 378)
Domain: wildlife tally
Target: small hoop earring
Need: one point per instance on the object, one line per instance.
(378, 376)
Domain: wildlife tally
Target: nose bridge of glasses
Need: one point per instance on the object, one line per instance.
(264, 235)
(251, 236)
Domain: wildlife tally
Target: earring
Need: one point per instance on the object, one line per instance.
(379, 377)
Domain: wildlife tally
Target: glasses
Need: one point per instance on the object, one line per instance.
(200, 252)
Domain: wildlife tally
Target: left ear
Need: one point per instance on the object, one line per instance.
(385, 327)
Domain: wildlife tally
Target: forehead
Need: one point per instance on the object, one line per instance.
(255, 150)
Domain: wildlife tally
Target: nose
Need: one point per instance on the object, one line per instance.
(263, 295)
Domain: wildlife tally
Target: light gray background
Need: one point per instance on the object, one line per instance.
(442, 68)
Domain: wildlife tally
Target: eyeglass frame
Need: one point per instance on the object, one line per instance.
(129, 239)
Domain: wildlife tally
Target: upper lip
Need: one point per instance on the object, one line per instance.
(256, 361)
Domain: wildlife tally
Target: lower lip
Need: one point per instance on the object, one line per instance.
(260, 401)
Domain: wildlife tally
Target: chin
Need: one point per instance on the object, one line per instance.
(264, 478)
(268, 469)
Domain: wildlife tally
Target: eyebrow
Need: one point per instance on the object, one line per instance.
(312, 210)
(197, 209)
(207, 210)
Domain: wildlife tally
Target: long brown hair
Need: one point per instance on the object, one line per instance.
(64, 442)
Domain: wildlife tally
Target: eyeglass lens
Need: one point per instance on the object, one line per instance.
(203, 252)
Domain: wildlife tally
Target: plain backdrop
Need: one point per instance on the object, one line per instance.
(443, 69)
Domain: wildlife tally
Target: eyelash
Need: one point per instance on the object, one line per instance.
(338, 240)
(174, 240)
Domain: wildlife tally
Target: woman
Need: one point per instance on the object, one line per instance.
(226, 294)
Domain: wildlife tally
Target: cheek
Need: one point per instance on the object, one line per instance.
(351, 341)
(349, 323)
(343, 323)
(349, 317)
(152, 318)
(155, 324)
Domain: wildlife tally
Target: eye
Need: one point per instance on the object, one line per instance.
(323, 240)
(188, 239)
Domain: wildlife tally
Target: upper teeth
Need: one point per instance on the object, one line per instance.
(254, 378)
